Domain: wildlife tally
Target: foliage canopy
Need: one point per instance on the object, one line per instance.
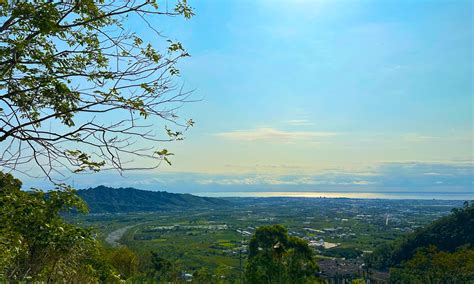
(77, 85)
(37, 244)
(275, 257)
(429, 265)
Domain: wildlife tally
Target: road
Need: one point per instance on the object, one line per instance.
(114, 237)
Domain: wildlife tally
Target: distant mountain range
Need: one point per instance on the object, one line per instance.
(104, 199)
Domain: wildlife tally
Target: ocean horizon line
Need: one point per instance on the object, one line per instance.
(461, 196)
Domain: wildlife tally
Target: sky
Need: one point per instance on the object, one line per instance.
(321, 95)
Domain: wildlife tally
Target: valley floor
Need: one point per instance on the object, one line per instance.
(217, 238)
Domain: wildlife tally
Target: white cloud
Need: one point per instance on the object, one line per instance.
(271, 134)
(299, 122)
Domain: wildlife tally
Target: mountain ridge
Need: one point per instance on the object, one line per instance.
(103, 199)
(449, 234)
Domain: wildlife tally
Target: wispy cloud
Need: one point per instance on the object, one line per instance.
(271, 134)
(259, 180)
(362, 182)
(436, 174)
(299, 122)
(415, 137)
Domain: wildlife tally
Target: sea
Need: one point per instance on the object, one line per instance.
(358, 195)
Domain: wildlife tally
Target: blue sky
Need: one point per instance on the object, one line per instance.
(322, 93)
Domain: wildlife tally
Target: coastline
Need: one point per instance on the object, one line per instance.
(459, 196)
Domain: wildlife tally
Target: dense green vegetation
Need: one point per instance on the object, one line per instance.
(429, 265)
(274, 257)
(36, 244)
(442, 251)
(103, 199)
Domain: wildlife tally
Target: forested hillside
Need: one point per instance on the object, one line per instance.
(104, 199)
(443, 250)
